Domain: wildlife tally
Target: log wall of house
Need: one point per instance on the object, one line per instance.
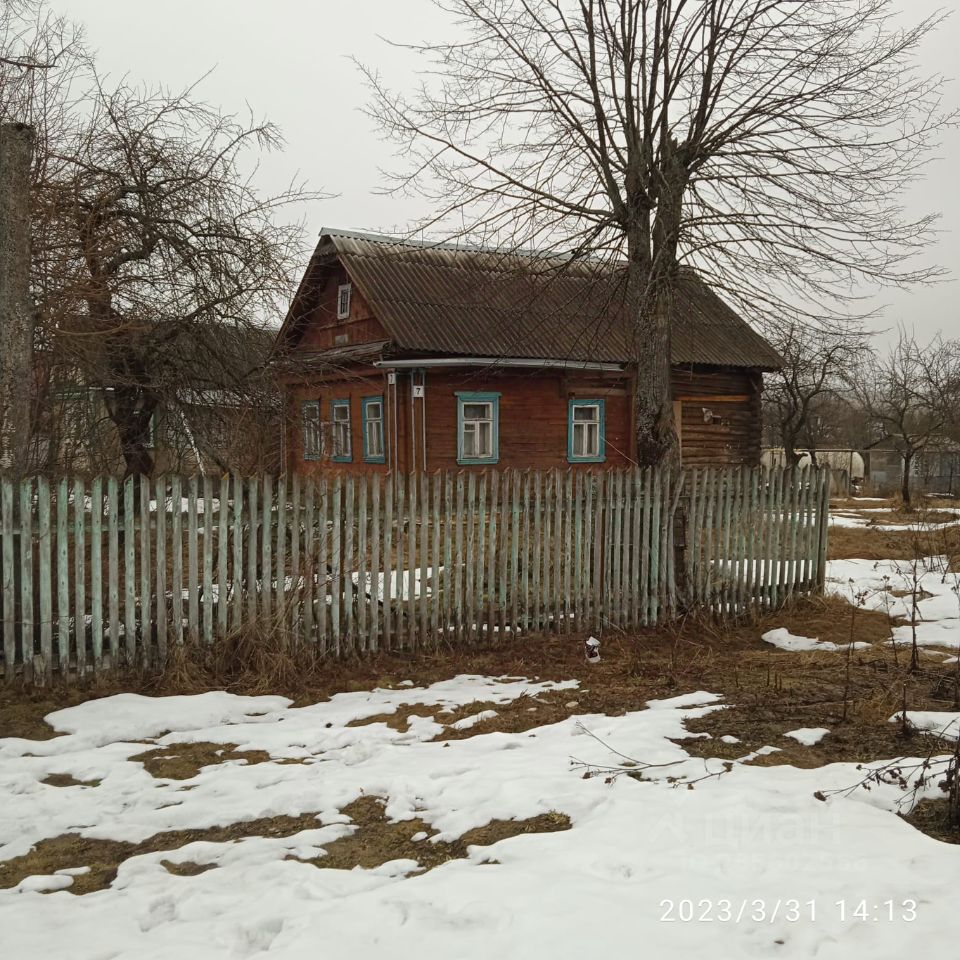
(321, 328)
(719, 415)
(533, 411)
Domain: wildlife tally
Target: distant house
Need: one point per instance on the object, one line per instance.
(217, 410)
(935, 469)
(410, 356)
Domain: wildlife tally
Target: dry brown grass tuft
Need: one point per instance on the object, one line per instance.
(66, 780)
(104, 857)
(377, 840)
(182, 761)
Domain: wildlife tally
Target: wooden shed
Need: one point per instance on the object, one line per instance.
(399, 355)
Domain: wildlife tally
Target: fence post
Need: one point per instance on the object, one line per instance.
(161, 572)
(9, 600)
(79, 578)
(44, 546)
(823, 515)
(26, 575)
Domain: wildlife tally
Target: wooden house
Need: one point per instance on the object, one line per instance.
(407, 356)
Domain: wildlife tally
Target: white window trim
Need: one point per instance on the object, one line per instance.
(344, 290)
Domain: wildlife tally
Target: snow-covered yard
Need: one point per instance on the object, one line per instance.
(239, 852)
(740, 848)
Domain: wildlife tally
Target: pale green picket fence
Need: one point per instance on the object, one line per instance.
(103, 573)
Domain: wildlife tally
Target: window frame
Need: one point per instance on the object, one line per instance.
(318, 424)
(601, 455)
(464, 398)
(343, 403)
(364, 405)
(341, 287)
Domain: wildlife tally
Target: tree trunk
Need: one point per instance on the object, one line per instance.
(790, 455)
(17, 375)
(651, 281)
(132, 410)
(656, 430)
(905, 488)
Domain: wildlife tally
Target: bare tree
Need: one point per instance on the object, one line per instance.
(816, 362)
(763, 142)
(157, 243)
(154, 251)
(32, 43)
(910, 394)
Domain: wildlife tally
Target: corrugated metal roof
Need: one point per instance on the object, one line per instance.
(439, 298)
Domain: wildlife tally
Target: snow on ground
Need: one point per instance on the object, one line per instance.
(877, 582)
(742, 842)
(943, 723)
(860, 518)
(785, 640)
(807, 736)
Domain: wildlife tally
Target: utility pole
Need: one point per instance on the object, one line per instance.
(16, 310)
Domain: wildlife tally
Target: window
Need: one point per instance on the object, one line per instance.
(312, 433)
(373, 446)
(342, 448)
(343, 301)
(585, 432)
(478, 427)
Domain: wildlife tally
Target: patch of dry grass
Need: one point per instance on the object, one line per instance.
(377, 840)
(932, 818)
(66, 780)
(104, 857)
(869, 543)
(182, 761)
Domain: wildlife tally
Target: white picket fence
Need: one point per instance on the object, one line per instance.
(102, 573)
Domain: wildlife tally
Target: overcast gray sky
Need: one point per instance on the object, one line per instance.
(290, 61)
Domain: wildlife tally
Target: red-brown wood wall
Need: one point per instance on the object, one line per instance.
(719, 414)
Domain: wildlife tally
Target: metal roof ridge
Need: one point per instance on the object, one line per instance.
(458, 247)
